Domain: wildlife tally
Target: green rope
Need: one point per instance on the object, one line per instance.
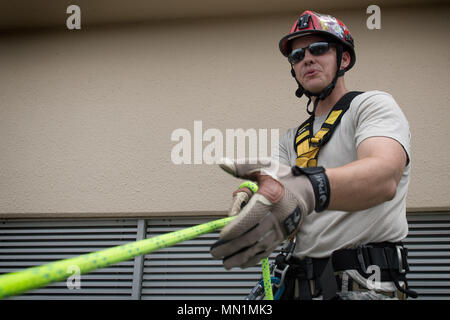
(266, 279)
(35, 277)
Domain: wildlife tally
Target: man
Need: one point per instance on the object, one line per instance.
(340, 187)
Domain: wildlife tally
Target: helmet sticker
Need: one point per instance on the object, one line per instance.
(329, 23)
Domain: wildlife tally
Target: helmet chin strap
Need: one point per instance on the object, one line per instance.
(326, 91)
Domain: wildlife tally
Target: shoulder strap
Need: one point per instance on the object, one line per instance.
(307, 145)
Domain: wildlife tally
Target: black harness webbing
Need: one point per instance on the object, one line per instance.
(391, 258)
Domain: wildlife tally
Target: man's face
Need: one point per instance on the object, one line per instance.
(314, 72)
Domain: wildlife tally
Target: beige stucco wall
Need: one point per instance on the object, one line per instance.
(86, 116)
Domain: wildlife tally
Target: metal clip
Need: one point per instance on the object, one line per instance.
(401, 268)
(290, 249)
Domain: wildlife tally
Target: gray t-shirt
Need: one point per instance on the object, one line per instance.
(371, 114)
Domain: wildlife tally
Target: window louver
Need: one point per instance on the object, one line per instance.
(184, 271)
(428, 244)
(27, 244)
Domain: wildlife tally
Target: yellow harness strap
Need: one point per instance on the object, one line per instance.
(307, 145)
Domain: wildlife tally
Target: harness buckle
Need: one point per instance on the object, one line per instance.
(315, 142)
(282, 273)
(360, 256)
(286, 254)
(401, 267)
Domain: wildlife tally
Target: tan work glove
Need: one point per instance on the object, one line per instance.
(285, 196)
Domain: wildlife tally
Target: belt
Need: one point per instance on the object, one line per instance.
(318, 274)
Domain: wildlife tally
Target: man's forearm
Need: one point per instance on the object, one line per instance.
(362, 184)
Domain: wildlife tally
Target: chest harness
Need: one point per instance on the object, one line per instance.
(307, 144)
(312, 277)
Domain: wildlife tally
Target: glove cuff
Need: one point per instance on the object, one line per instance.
(320, 183)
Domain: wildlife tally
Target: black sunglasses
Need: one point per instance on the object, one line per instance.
(316, 49)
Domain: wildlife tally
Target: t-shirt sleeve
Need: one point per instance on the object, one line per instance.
(378, 115)
(280, 152)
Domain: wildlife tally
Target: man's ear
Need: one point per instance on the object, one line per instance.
(345, 60)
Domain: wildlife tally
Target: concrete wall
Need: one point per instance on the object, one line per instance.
(86, 117)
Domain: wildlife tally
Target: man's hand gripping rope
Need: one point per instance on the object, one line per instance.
(274, 213)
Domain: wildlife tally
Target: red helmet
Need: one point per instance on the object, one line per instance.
(323, 25)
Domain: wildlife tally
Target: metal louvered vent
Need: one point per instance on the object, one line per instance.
(428, 244)
(25, 244)
(186, 270)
